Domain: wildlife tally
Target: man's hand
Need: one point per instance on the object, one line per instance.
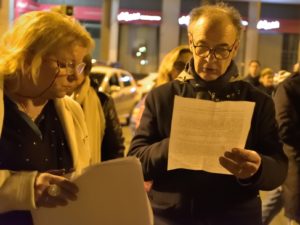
(242, 163)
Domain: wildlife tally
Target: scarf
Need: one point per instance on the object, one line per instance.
(230, 75)
(87, 97)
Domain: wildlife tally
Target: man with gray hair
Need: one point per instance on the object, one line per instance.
(197, 197)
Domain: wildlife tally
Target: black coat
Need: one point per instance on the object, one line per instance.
(287, 102)
(197, 197)
(113, 140)
(252, 80)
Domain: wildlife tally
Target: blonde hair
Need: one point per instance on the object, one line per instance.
(167, 64)
(219, 9)
(34, 35)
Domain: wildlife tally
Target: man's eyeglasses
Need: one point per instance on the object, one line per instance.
(218, 52)
(70, 67)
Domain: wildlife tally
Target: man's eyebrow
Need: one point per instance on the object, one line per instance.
(202, 42)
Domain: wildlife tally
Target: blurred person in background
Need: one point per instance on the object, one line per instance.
(296, 67)
(101, 117)
(266, 80)
(172, 64)
(272, 203)
(287, 106)
(280, 76)
(170, 67)
(44, 133)
(253, 73)
(183, 196)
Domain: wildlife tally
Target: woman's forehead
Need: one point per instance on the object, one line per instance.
(70, 52)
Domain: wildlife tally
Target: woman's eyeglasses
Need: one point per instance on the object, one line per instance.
(70, 67)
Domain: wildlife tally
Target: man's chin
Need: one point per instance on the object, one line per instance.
(208, 76)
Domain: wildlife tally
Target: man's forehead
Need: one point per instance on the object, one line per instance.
(213, 22)
(213, 28)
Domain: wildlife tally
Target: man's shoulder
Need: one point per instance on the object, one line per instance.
(167, 88)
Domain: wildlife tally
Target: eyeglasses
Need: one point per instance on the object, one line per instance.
(70, 67)
(218, 52)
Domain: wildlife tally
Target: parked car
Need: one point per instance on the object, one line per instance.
(121, 85)
(147, 83)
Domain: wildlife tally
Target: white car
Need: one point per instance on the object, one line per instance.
(121, 85)
(146, 84)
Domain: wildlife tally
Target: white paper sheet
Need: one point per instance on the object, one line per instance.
(111, 193)
(203, 130)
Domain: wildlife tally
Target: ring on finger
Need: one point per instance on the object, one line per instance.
(240, 170)
(54, 190)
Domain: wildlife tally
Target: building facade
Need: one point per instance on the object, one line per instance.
(146, 30)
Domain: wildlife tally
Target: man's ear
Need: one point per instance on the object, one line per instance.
(190, 37)
(236, 48)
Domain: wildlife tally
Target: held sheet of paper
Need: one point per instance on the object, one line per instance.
(111, 193)
(203, 130)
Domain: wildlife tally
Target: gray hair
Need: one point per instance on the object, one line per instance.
(219, 9)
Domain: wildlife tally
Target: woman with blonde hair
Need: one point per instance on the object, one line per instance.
(172, 64)
(44, 133)
(170, 67)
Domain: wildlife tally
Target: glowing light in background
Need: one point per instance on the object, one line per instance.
(22, 5)
(184, 20)
(126, 16)
(266, 25)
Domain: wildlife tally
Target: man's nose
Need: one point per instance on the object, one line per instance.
(211, 55)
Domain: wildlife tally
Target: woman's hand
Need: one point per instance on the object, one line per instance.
(48, 195)
(242, 163)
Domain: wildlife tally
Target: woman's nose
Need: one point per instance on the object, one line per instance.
(72, 77)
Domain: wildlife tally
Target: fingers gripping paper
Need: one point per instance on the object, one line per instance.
(111, 193)
(203, 130)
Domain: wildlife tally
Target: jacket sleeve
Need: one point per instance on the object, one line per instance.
(287, 115)
(274, 163)
(113, 141)
(17, 190)
(149, 144)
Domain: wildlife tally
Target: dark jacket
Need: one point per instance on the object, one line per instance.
(252, 80)
(113, 141)
(287, 104)
(268, 90)
(197, 197)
